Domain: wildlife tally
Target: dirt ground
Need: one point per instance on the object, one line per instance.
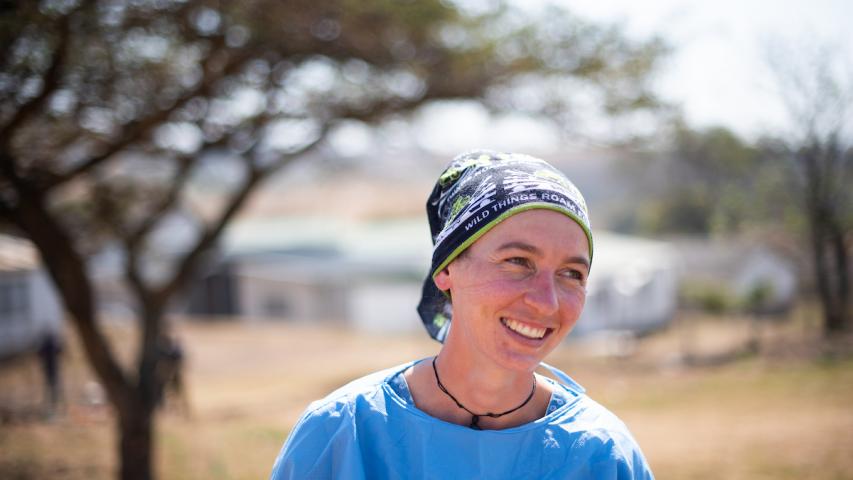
(701, 402)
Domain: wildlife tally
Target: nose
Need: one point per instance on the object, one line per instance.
(542, 294)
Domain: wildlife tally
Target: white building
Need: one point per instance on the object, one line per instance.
(633, 285)
(29, 305)
(369, 276)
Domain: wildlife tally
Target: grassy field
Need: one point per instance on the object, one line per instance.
(701, 405)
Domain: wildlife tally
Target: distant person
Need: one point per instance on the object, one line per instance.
(170, 372)
(50, 349)
(512, 252)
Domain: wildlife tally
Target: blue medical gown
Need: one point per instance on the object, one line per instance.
(371, 429)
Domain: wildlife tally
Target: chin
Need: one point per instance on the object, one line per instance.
(520, 362)
(514, 357)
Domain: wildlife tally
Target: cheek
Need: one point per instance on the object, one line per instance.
(487, 289)
(484, 300)
(572, 305)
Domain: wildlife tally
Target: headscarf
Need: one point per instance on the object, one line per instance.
(476, 191)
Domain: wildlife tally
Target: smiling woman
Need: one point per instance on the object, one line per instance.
(518, 291)
(512, 252)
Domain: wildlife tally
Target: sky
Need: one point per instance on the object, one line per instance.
(717, 71)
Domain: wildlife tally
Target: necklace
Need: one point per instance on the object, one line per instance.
(475, 418)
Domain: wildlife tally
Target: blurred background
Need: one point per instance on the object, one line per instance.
(212, 213)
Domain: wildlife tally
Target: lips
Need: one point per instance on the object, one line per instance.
(525, 330)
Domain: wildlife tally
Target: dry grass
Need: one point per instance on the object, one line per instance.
(700, 405)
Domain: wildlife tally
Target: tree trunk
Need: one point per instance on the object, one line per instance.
(836, 297)
(829, 251)
(136, 444)
(830, 268)
(842, 268)
(821, 271)
(137, 420)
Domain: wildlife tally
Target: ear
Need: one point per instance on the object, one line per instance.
(442, 280)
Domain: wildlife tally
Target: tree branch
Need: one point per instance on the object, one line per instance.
(135, 237)
(142, 127)
(51, 82)
(21, 10)
(188, 264)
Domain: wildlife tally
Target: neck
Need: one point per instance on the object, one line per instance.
(482, 386)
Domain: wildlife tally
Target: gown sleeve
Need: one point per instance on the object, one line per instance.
(322, 445)
(620, 458)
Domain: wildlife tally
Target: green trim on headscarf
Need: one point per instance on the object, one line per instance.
(512, 211)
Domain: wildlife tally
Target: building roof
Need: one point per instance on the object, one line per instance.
(390, 239)
(17, 254)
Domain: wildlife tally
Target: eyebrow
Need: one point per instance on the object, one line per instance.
(532, 249)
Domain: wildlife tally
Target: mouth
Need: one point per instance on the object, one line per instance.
(525, 330)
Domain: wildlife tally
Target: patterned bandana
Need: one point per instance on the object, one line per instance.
(478, 190)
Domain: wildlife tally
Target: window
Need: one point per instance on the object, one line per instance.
(13, 297)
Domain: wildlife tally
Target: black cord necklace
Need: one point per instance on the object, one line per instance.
(475, 418)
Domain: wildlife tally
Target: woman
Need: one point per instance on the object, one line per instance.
(512, 252)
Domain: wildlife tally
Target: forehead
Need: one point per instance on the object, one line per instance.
(546, 230)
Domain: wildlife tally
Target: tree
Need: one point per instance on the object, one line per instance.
(710, 182)
(816, 88)
(110, 109)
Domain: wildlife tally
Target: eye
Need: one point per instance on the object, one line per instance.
(518, 261)
(573, 274)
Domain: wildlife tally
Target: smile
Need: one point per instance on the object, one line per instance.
(523, 329)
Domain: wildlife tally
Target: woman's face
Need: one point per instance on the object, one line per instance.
(518, 290)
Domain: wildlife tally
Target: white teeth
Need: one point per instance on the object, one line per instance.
(527, 331)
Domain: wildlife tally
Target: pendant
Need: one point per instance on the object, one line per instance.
(475, 420)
